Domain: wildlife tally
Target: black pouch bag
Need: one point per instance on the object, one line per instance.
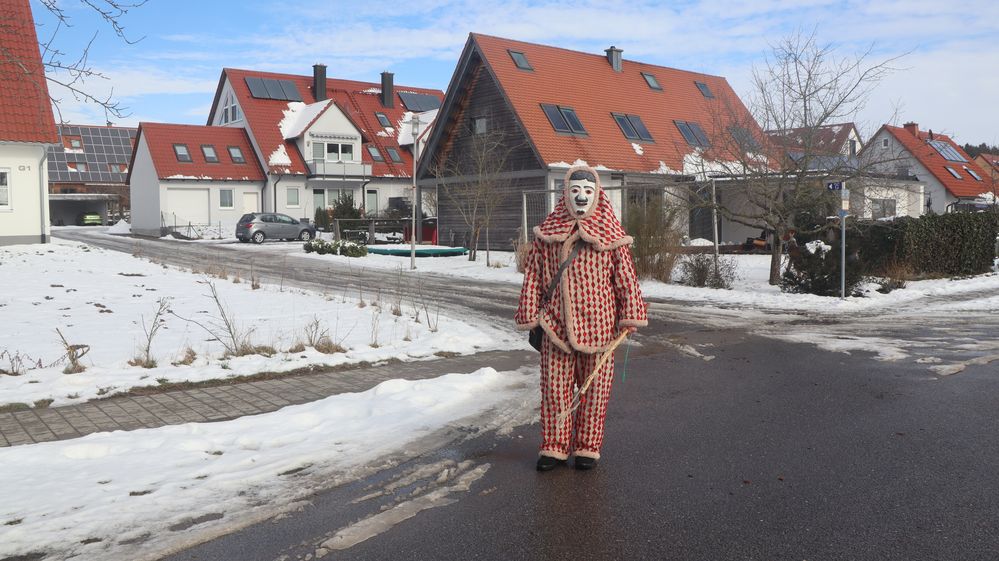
(537, 334)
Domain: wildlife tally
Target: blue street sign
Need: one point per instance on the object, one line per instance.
(834, 185)
(843, 213)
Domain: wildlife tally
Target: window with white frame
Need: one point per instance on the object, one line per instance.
(332, 151)
(292, 197)
(230, 112)
(4, 189)
(225, 198)
(882, 208)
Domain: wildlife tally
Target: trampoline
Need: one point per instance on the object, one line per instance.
(436, 251)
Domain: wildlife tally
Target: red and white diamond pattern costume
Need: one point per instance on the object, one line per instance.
(596, 298)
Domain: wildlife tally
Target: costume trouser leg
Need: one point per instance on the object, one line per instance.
(561, 374)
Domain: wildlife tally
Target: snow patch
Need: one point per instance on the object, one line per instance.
(279, 157)
(818, 245)
(121, 227)
(638, 148)
(298, 115)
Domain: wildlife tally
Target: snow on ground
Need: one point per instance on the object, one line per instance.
(104, 299)
(135, 495)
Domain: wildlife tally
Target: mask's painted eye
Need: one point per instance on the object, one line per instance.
(589, 191)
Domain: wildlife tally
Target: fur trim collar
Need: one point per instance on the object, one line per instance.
(599, 226)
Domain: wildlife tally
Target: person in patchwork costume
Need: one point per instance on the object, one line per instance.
(596, 298)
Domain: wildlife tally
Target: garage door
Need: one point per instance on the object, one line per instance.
(188, 206)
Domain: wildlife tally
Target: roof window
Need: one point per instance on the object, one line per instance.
(972, 173)
(209, 152)
(383, 119)
(632, 127)
(180, 150)
(954, 173)
(563, 119)
(375, 154)
(236, 154)
(520, 60)
(72, 142)
(393, 154)
(651, 81)
(693, 133)
(705, 90)
(745, 141)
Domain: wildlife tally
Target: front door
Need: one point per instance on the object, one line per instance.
(250, 203)
(371, 202)
(318, 198)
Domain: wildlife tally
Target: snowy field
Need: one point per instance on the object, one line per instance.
(106, 299)
(142, 494)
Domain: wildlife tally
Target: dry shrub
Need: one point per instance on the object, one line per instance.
(189, 357)
(73, 354)
(521, 250)
(326, 345)
(656, 229)
(298, 347)
(700, 269)
(896, 273)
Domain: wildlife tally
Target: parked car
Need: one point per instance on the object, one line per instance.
(260, 226)
(89, 219)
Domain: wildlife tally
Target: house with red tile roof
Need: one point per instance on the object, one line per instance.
(192, 178)
(821, 147)
(635, 123)
(990, 165)
(27, 128)
(323, 137)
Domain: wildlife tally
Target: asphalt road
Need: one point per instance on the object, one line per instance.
(769, 451)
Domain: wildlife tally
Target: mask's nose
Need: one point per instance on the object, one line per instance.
(581, 200)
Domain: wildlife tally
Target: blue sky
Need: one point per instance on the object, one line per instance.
(947, 81)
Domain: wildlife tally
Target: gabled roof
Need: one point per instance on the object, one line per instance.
(357, 100)
(991, 160)
(588, 84)
(102, 147)
(918, 145)
(824, 140)
(25, 107)
(161, 138)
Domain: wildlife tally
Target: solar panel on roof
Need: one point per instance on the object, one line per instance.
(257, 88)
(419, 102)
(947, 151)
(273, 89)
(290, 90)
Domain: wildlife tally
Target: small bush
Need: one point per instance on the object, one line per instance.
(895, 275)
(815, 269)
(326, 346)
(656, 229)
(342, 247)
(698, 269)
(298, 347)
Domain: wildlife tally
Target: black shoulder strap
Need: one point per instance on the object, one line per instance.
(561, 269)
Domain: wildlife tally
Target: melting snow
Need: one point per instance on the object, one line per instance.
(638, 148)
(279, 157)
(298, 116)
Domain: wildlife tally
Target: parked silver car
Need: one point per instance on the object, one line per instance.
(260, 226)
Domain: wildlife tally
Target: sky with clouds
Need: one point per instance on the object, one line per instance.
(947, 80)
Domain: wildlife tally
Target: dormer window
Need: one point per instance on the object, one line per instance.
(180, 150)
(563, 119)
(383, 119)
(209, 152)
(705, 90)
(520, 60)
(651, 81)
(632, 127)
(236, 154)
(375, 154)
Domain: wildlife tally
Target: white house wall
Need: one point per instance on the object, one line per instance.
(25, 219)
(144, 190)
(214, 215)
(226, 92)
(895, 156)
(331, 126)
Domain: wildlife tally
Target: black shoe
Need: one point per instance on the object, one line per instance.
(547, 463)
(585, 462)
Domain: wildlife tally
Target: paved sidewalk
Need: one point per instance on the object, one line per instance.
(229, 402)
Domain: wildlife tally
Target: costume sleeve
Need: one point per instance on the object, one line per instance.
(631, 309)
(530, 292)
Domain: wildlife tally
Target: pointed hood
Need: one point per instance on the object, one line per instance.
(599, 226)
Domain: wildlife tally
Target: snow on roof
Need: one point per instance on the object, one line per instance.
(638, 148)
(279, 157)
(298, 116)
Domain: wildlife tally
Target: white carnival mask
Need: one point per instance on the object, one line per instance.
(582, 195)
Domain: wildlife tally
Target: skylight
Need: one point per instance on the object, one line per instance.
(375, 154)
(705, 90)
(632, 127)
(744, 139)
(952, 172)
(209, 151)
(972, 173)
(947, 151)
(236, 154)
(692, 133)
(180, 150)
(651, 81)
(520, 60)
(393, 154)
(563, 119)
(383, 119)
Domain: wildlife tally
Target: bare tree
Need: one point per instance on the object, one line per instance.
(473, 182)
(71, 71)
(802, 86)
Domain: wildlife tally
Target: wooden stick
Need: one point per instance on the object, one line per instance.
(578, 394)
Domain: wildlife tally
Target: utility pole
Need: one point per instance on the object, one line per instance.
(416, 152)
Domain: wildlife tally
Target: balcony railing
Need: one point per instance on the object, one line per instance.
(347, 170)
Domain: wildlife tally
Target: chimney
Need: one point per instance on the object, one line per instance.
(614, 57)
(913, 128)
(319, 81)
(388, 93)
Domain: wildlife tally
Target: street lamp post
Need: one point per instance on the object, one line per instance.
(416, 152)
